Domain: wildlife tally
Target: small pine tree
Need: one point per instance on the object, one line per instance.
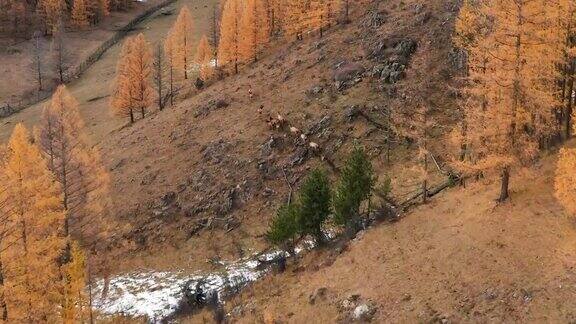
(314, 199)
(284, 227)
(354, 187)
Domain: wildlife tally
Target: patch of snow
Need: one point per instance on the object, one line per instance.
(152, 294)
(157, 294)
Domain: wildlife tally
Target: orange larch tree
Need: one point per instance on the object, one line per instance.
(76, 165)
(215, 32)
(254, 29)
(33, 208)
(295, 17)
(80, 14)
(75, 306)
(565, 180)
(5, 229)
(228, 48)
(51, 13)
(181, 37)
(97, 9)
(121, 99)
(275, 16)
(204, 57)
(512, 93)
(132, 89)
(564, 39)
(140, 74)
(159, 65)
(60, 55)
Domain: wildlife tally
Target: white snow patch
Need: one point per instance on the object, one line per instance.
(152, 294)
(157, 294)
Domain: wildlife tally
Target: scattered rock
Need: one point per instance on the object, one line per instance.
(396, 58)
(458, 59)
(392, 73)
(299, 157)
(168, 205)
(378, 50)
(316, 90)
(319, 294)
(222, 103)
(274, 142)
(351, 113)
(490, 294)
(373, 19)
(268, 192)
(211, 105)
(168, 199)
(226, 206)
(320, 126)
(348, 74)
(364, 312)
(406, 47)
(237, 311)
(216, 151)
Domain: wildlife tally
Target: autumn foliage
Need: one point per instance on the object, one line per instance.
(181, 46)
(229, 47)
(32, 241)
(77, 167)
(255, 29)
(133, 90)
(80, 14)
(511, 87)
(204, 57)
(54, 194)
(19, 19)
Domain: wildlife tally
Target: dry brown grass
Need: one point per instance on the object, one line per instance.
(460, 257)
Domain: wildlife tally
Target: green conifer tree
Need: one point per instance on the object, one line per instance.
(354, 187)
(283, 230)
(314, 200)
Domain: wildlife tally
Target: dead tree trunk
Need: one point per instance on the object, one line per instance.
(505, 183)
(159, 74)
(569, 102)
(37, 61)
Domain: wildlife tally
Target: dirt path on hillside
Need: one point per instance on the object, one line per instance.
(94, 87)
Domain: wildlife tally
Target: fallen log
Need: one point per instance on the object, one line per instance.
(431, 192)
